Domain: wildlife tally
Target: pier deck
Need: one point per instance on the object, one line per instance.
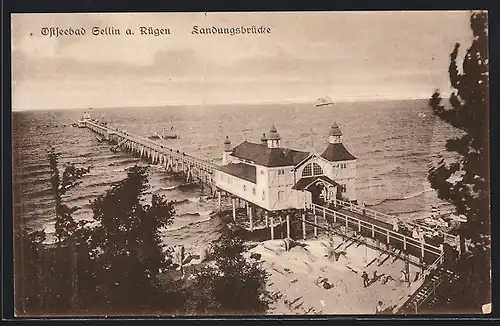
(194, 169)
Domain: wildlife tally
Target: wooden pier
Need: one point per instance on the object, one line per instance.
(191, 168)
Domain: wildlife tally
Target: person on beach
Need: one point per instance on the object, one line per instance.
(386, 279)
(365, 278)
(363, 208)
(288, 243)
(379, 309)
(404, 277)
(323, 282)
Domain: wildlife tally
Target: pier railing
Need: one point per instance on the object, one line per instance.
(418, 248)
(419, 289)
(150, 144)
(356, 208)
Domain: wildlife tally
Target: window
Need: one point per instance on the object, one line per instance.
(229, 180)
(317, 170)
(253, 191)
(343, 188)
(262, 172)
(244, 187)
(281, 195)
(263, 195)
(307, 172)
(281, 172)
(343, 165)
(312, 169)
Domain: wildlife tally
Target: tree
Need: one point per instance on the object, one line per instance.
(233, 284)
(118, 260)
(29, 274)
(48, 280)
(61, 184)
(66, 253)
(465, 181)
(127, 245)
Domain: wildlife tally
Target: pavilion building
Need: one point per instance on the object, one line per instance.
(275, 178)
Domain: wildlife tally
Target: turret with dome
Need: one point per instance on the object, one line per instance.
(273, 140)
(336, 150)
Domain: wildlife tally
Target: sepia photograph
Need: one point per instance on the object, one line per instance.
(251, 163)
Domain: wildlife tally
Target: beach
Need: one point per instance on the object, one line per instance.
(294, 277)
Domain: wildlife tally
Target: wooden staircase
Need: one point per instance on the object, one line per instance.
(424, 294)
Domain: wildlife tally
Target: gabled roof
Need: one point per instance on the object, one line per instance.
(337, 152)
(248, 151)
(304, 183)
(269, 157)
(241, 170)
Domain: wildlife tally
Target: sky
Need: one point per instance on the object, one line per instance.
(341, 55)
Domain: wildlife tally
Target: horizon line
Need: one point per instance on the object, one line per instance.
(345, 100)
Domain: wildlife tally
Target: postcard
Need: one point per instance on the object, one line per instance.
(251, 163)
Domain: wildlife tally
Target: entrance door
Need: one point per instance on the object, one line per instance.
(316, 190)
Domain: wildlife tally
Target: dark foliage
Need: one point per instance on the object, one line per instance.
(29, 292)
(61, 184)
(470, 193)
(48, 282)
(233, 285)
(108, 269)
(126, 245)
(469, 113)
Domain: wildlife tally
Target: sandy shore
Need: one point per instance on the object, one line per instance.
(294, 278)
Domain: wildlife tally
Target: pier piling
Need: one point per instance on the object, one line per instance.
(288, 226)
(272, 225)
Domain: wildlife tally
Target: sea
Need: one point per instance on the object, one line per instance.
(396, 142)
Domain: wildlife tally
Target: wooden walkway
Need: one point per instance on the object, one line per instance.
(382, 232)
(193, 169)
(387, 221)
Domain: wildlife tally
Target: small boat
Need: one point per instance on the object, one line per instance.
(323, 101)
(154, 137)
(171, 137)
(165, 136)
(74, 124)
